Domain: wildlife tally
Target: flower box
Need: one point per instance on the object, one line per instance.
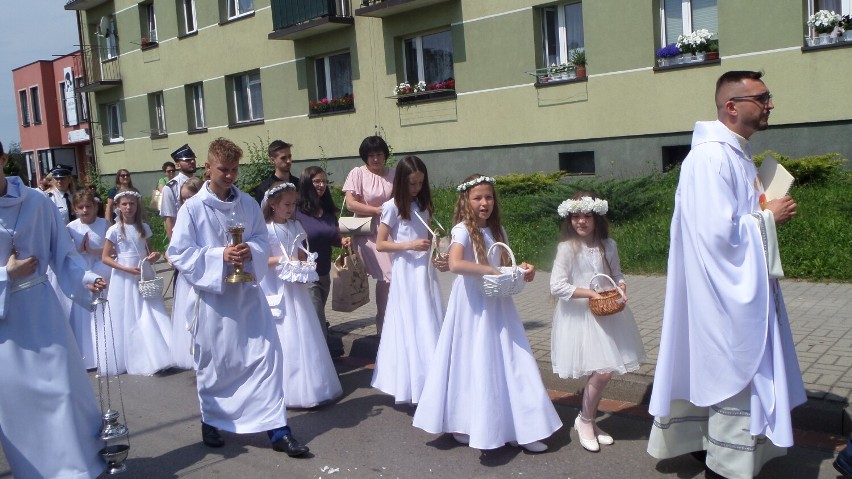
(325, 105)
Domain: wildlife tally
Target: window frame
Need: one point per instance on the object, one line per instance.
(114, 133)
(686, 17)
(418, 47)
(111, 41)
(158, 117)
(247, 80)
(189, 13)
(62, 101)
(232, 9)
(35, 105)
(196, 101)
(564, 53)
(151, 19)
(82, 104)
(24, 102)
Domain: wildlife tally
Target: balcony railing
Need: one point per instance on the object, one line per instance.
(83, 4)
(297, 15)
(387, 8)
(99, 75)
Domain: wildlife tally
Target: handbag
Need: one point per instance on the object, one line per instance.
(354, 225)
(156, 198)
(349, 286)
(149, 288)
(440, 259)
(611, 301)
(510, 280)
(296, 270)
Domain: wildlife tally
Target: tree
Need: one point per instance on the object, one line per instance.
(15, 165)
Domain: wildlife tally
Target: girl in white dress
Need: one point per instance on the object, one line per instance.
(88, 233)
(141, 325)
(415, 308)
(483, 384)
(309, 375)
(582, 343)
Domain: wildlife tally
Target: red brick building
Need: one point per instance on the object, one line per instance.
(53, 116)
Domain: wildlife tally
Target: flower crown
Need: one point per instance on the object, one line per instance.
(470, 184)
(585, 204)
(127, 193)
(276, 189)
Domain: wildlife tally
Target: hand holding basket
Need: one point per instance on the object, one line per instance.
(611, 301)
(295, 270)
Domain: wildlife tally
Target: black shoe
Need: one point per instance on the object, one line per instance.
(289, 445)
(210, 436)
(700, 456)
(842, 469)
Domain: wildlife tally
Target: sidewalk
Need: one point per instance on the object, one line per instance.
(820, 317)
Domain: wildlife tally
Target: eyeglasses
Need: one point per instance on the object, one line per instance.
(320, 182)
(124, 175)
(188, 160)
(762, 98)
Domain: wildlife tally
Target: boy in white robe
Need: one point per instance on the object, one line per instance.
(49, 418)
(727, 375)
(237, 351)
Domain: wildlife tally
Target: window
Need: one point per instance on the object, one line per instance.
(562, 33)
(34, 103)
(578, 163)
(248, 98)
(334, 76)
(188, 14)
(111, 36)
(680, 17)
(25, 109)
(429, 58)
(157, 106)
(843, 7)
(149, 30)
(113, 123)
(82, 105)
(63, 100)
(238, 8)
(195, 102)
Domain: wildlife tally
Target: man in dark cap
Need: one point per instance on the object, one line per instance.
(185, 162)
(280, 157)
(60, 194)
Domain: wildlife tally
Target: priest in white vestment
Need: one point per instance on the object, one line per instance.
(727, 375)
(49, 417)
(236, 347)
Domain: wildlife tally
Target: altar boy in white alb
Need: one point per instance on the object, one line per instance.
(727, 375)
(237, 352)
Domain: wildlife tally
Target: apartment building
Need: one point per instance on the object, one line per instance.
(323, 74)
(53, 117)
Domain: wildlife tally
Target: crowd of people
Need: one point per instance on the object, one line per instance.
(727, 375)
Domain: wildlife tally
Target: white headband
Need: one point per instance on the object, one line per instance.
(470, 184)
(276, 189)
(127, 193)
(585, 204)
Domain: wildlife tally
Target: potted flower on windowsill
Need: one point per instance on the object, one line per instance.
(578, 59)
(694, 45)
(824, 22)
(846, 25)
(713, 50)
(666, 55)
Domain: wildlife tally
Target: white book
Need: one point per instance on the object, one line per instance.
(775, 178)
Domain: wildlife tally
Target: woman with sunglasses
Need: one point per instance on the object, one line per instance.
(169, 170)
(122, 180)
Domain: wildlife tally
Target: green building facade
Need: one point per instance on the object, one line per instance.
(497, 97)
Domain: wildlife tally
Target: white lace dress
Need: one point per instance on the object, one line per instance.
(582, 343)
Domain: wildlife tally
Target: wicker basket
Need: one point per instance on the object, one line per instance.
(611, 301)
(510, 280)
(149, 288)
(296, 270)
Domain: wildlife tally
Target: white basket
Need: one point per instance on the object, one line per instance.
(510, 280)
(149, 288)
(295, 270)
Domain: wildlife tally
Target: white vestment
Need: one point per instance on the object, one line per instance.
(725, 327)
(48, 413)
(237, 351)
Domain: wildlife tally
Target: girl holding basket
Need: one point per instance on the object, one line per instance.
(584, 344)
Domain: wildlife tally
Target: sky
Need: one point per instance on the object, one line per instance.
(30, 30)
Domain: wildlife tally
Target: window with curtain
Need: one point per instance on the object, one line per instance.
(195, 97)
(111, 40)
(238, 8)
(35, 105)
(680, 17)
(562, 32)
(333, 82)
(25, 109)
(843, 7)
(157, 104)
(429, 58)
(113, 132)
(248, 97)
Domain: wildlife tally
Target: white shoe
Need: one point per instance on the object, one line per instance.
(605, 439)
(461, 438)
(590, 445)
(535, 446)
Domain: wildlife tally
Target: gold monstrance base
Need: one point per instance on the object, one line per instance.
(238, 276)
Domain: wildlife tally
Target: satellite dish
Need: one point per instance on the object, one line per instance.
(103, 27)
